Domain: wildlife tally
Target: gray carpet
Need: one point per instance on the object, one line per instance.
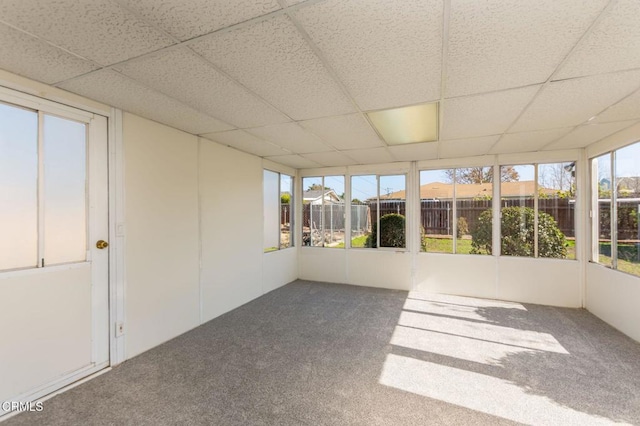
(325, 354)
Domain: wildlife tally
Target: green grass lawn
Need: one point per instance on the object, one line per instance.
(623, 265)
(357, 242)
(445, 245)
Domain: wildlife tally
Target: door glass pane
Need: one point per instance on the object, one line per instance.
(627, 178)
(312, 227)
(271, 201)
(603, 182)
(392, 211)
(474, 195)
(334, 212)
(18, 187)
(556, 208)
(517, 189)
(286, 211)
(436, 211)
(64, 203)
(364, 209)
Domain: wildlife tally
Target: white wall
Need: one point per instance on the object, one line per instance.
(161, 222)
(614, 297)
(194, 232)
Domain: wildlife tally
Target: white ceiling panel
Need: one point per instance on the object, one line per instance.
(572, 102)
(188, 19)
(415, 151)
(295, 161)
(588, 134)
(272, 59)
(344, 132)
(467, 147)
(112, 88)
(246, 142)
(33, 58)
(627, 109)
(101, 31)
(370, 156)
(483, 115)
(330, 159)
(183, 75)
(527, 141)
(499, 44)
(386, 53)
(292, 137)
(612, 45)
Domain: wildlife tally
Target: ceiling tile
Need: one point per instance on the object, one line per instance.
(272, 59)
(527, 141)
(183, 75)
(499, 44)
(294, 161)
(246, 142)
(415, 151)
(572, 102)
(33, 58)
(370, 156)
(292, 137)
(330, 159)
(586, 135)
(386, 53)
(98, 30)
(483, 115)
(344, 132)
(627, 109)
(119, 91)
(467, 147)
(188, 19)
(612, 45)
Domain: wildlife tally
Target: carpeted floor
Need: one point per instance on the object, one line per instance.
(325, 354)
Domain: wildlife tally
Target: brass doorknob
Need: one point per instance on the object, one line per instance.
(102, 244)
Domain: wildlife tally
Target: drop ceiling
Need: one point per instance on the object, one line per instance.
(293, 81)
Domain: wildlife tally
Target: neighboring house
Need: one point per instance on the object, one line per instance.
(628, 186)
(444, 191)
(315, 197)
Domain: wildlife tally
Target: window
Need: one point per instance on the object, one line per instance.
(378, 202)
(277, 210)
(43, 212)
(323, 211)
(537, 210)
(616, 194)
(456, 202)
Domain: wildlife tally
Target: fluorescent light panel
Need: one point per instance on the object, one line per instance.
(397, 126)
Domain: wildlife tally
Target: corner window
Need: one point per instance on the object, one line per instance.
(323, 211)
(277, 210)
(616, 199)
(378, 202)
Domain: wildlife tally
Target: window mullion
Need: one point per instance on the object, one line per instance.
(455, 214)
(378, 212)
(535, 210)
(614, 213)
(41, 206)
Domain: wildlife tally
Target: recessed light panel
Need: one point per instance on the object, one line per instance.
(418, 123)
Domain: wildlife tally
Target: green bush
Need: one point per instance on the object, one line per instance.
(392, 234)
(517, 225)
(463, 227)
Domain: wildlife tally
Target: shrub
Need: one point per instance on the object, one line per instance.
(392, 234)
(463, 227)
(517, 225)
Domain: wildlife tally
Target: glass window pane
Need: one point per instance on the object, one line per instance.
(474, 195)
(334, 212)
(286, 211)
(517, 189)
(627, 179)
(364, 209)
(604, 179)
(65, 160)
(312, 227)
(556, 210)
(271, 204)
(392, 211)
(436, 211)
(19, 183)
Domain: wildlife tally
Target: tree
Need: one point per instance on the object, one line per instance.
(316, 187)
(559, 176)
(481, 175)
(392, 227)
(285, 198)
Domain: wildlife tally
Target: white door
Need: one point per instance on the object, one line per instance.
(53, 278)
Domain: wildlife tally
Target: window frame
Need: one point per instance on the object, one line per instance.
(292, 221)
